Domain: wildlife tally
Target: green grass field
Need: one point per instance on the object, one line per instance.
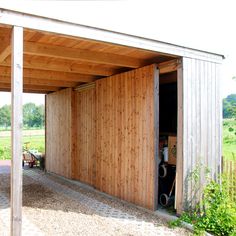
(229, 139)
(36, 142)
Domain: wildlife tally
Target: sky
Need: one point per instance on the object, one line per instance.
(203, 24)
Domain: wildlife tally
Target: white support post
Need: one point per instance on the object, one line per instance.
(16, 127)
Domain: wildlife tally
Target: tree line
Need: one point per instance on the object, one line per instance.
(33, 116)
(229, 106)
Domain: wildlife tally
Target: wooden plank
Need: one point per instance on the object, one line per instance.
(85, 87)
(41, 63)
(33, 81)
(168, 66)
(85, 141)
(156, 135)
(26, 91)
(47, 50)
(59, 134)
(73, 129)
(50, 75)
(39, 88)
(179, 163)
(45, 129)
(16, 133)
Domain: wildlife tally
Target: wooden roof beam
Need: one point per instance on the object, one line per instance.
(39, 49)
(169, 66)
(50, 75)
(7, 86)
(33, 81)
(43, 63)
(26, 91)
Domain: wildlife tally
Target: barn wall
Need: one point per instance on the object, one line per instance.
(58, 132)
(125, 136)
(85, 162)
(201, 127)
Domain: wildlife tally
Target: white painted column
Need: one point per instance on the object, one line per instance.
(16, 133)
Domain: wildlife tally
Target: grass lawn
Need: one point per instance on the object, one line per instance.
(229, 139)
(36, 142)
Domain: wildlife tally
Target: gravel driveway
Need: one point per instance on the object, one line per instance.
(55, 206)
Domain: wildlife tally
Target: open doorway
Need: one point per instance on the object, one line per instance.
(167, 140)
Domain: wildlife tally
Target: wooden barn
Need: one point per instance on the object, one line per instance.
(114, 103)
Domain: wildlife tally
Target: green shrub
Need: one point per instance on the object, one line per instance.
(216, 213)
(219, 215)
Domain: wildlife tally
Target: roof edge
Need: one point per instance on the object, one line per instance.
(42, 23)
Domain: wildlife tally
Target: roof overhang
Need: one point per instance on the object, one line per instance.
(60, 54)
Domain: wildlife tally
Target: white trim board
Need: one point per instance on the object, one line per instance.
(34, 22)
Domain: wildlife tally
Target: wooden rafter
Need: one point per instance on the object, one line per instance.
(27, 91)
(63, 66)
(168, 66)
(45, 82)
(40, 49)
(50, 75)
(7, 87)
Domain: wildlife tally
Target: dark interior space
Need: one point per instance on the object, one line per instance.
(168, 139)
(168, 104)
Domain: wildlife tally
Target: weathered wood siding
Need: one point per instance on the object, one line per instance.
(201, 124)
(59, 136)
(85, 162)
(125, 136)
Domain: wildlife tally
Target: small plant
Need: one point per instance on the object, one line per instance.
(219, 214)
(214, 213)
(175, 223)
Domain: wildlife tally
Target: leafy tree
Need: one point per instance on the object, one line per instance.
(28, 113)
(229, 106)
(5, 116)
(38, 116)
(33, 116)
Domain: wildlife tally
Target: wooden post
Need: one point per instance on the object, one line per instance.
(16, 133)
(156, 128)
(179, 163)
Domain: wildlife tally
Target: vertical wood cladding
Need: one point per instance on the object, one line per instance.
(85, 162)
(105, 136)
(125, 136)
(202, 122)
(58, 132)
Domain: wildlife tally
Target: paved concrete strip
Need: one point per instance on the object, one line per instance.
(28, 229)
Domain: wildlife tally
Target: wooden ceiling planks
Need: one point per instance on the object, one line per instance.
(56, 61)
(46, 50)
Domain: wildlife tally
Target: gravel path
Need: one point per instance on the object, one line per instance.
(55, 206)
